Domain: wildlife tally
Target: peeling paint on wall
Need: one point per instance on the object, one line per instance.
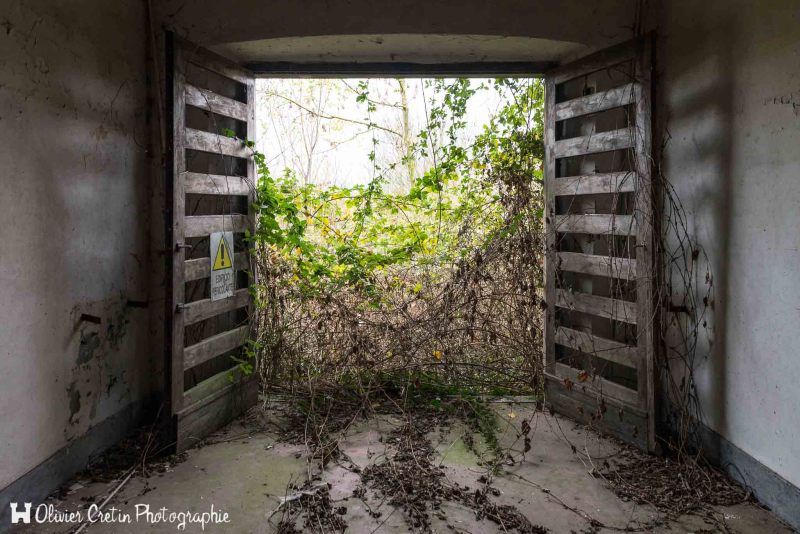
(791, 100)
(74, 397)
(89, 343)
(102, 328)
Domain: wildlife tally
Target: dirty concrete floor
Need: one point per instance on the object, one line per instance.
(245, 472)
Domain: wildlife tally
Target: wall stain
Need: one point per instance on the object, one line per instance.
(102, 327)
(89, 344)
(74, 396)
(792, 99)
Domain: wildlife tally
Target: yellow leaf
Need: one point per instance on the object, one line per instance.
(437, 354)
(511, 415)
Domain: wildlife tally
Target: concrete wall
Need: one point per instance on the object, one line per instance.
(74, 213)
(729, 86)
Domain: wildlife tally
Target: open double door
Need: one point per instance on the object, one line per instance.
(599, 259)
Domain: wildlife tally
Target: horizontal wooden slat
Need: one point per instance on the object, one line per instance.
(214, 62)
(618, 310)
(598, 384)
(214, 143)
(203, 225)
(214, 346)
(212, 404)
(201, 267)
(606, 59)
(595, 184)
(596, 223)
(596, 142)
(206, 308)
(629, 424)
(594, 103)
(205, 390)
(606, 349)
(215, 184)
(597, 265)
(211, 101)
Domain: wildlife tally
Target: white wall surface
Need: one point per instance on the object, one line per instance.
(730, 103)
(73, 212)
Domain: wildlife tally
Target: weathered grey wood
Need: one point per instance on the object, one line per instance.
(214, 346)
(550, 225)
(601, 60)
(597, 142)
(251, 201)
(618, 310)
(595, 223)
(212, 387)
(203, 225)
(594, 184)
(214, 143)
(596, 102)
(219, 400)
(201, 267)
(212, 61)
(597, 265)
(598, 384)
(216, 184)
(586, 402)
(643, 212)
(177, 210)
(203, 309)
(606, 349)
(216, 401)
(613, 418)
(210, 101)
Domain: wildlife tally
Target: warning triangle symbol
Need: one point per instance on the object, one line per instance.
(223, 258)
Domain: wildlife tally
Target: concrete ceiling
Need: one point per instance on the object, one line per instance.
(411, 48)
(417, 31)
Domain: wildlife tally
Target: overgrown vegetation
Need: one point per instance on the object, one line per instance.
(438, 282)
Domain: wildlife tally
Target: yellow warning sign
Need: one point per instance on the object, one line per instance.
(223, 258)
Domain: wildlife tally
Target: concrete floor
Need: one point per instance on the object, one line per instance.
(245, 472)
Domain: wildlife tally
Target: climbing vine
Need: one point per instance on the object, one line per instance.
(441, 280)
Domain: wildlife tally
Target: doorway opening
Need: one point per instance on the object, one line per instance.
(400, 239)
(409, 286)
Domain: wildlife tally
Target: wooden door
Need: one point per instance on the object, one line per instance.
(210, 177)
(599, 261)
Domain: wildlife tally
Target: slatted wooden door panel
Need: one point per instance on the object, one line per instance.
(598, 335)
(210, 182)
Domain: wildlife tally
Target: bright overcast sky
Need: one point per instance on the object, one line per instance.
(331, 151)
